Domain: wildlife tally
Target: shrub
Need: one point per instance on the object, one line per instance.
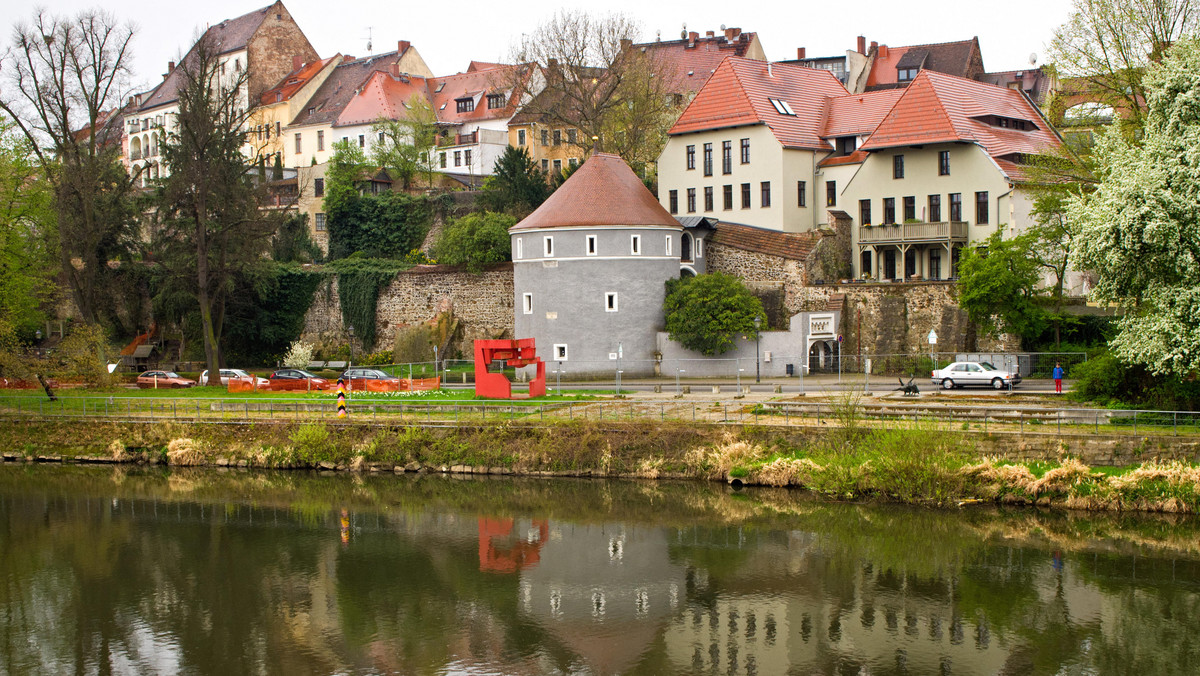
(707, 313)
(475, 240)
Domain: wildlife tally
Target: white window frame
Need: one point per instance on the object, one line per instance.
(610, 301)
(560, 355)
(548, 246)
(527, 303)
(590, 246)
(699, 247)
(635, 245)
(668, 245)
(520, 248)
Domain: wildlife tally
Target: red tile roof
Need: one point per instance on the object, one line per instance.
(382, 96)
(738, 94)
(330, 99)
(962, 58)
(477, 84)
(858, 114)
(294, 81)
(856, 157)
(790, 245)
(689, 67)
(603, 191)
(483, 65)
(942, 108)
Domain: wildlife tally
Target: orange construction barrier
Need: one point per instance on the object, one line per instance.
(241, 385)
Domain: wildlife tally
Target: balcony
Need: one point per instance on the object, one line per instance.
(913, 233)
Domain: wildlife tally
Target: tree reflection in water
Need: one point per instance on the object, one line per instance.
(128, 571)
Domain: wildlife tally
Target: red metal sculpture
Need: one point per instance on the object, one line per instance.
(515, 353)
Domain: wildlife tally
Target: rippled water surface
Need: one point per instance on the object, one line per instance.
(125, 571)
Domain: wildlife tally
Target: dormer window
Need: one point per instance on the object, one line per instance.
(464, 105)
(495, 101)
(847, 144)
(782, 107)
(906, 74)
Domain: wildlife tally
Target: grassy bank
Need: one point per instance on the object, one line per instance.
(908, 464)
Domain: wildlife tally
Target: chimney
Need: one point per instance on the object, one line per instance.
(297, 62)
(692, 37)
(800, 52)
(626, 44)
(862, 45)
(170, 66)
(874, 46)
(732, 34)
(347, 58)
(402, 46)
(394, 69)
(769, 73)
(883, 51)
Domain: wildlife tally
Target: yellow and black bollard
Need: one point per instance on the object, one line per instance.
(341, 391)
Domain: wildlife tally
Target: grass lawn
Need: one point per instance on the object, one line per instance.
(66, 395)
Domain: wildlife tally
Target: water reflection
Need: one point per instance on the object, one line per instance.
(131, 572)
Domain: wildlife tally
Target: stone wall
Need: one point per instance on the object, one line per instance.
(761, 272)
(483, 305)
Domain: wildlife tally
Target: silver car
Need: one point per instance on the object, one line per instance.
(963, 373)
(235, 374)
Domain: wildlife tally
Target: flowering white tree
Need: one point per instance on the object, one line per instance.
(298, 355)
(1140, 229)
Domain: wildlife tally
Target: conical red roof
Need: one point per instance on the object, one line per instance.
(604, 191)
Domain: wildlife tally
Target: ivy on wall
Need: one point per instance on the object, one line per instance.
(359, 282)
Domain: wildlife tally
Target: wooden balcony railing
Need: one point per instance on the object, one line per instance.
(900, 233)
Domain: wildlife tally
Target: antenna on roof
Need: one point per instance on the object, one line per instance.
(368, 39)
(683, 33)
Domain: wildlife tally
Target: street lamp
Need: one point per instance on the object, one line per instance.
(757, 337)
(350, 331)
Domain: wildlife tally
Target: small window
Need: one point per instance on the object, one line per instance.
(320, 222)
(520, 248)
(864, 212)
(699, 247)
(591, 245)
(726, 157)
(442, 160)
(320, 140)
(319, 187)
(673, 201)
(464, 105)
(520, 137)
(458, 158)
(527, 303)
(362, 141)
(830, 193)
(298, 150)
(380, 137)
(495, 101)
(545, 166)
(572, 162)
(572, 135)
(935, 208)
(889, 210)
(558, 137)
(944, 163)
(981, 208)
(691, 200)
(906, 74)
(745, 195)
(635, 244)
(745, 151)
(765, 198)
(467, 157)
(278, 129)
(801, 193)
(557, 167)
(910, 209)
(545, 137)
(708, 198)
(782, 107)
(708, 159)
(691, 156)
(610, 301)
(549, 246)
(668, 246)
(727, 197)
(955, 206)
(897, 166)
(560, 352)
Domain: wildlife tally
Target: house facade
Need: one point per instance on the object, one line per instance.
(912, 174)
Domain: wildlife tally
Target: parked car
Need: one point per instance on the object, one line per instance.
(296, 379)
(151, 379)
(357, 376)
(963, 373)
(237, 374)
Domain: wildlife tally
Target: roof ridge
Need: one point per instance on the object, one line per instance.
(936, 44)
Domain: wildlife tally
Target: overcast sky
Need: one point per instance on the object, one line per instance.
(450, 34)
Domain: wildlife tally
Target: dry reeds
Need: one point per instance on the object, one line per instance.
(186, 452)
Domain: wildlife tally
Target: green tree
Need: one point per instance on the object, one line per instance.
(27, 235)
(1109, 44)
(516, 185)
(997, 286)
(407, 143)
(292, 243)
(63, 91)
(213, 229)
(1140, 229)
(707, 313)
(475, 240)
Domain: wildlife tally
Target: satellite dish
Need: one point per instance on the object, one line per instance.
(1032, 58)
(722, 26)
(683, 33)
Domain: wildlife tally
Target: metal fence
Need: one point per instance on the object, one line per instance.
(448, 414)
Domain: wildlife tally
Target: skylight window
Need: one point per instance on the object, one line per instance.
(440, 87)
(782, 107)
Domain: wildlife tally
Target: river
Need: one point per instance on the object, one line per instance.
(120, 570)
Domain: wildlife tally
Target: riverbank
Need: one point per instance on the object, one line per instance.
(908, 463)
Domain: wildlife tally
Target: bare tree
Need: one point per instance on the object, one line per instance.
(213, 224)
(406, 144)
(596, 83)
(65, 77)
(1107, 45)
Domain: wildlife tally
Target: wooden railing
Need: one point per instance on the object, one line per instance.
(914, 232)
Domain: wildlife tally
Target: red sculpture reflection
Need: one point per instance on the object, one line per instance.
(498, 553)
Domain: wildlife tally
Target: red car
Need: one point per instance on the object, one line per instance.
(163, 379)
(296, 380)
